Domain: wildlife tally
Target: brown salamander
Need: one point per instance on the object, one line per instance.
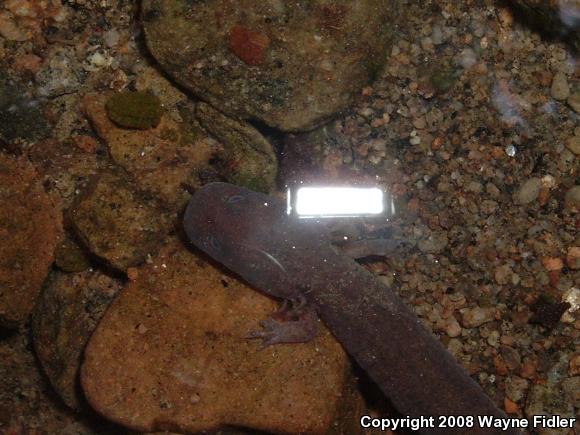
(251, 234)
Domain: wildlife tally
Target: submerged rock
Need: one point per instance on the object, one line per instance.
(30, 228)
(116, 222)
(68, 310)
(170, 353)
(249, 159)
(291, 65)
(159, 159)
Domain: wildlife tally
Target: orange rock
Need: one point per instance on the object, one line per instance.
(552, 264)
(30, 229)
(543, 196)
(437, 143)
(528, 369)
(27, 62)
(574, 365)
(573, 257)
(248, 45)
(170, 353)
(510, 407)
(500, 366)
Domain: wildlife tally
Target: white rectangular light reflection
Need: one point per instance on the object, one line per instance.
(338, 201)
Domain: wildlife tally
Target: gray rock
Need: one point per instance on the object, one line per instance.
(573, 144)
(528, 192)
(574, 101)
(571, 387)
(560, 89)
(572, 198)
(20, 116)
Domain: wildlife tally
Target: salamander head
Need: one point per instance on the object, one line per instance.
(221, 218)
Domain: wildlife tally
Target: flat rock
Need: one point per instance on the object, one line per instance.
(68, 310)
(30, 228)
(170, 354)
(291, 65)
(159, 159)
(116, 222)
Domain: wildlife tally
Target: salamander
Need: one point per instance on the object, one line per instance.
(289, 258)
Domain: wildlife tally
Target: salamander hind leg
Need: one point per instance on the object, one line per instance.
(297, 324)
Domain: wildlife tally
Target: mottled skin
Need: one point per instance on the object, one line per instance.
(288, 258)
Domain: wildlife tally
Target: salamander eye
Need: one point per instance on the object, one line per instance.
(213, 242)
(235, 198)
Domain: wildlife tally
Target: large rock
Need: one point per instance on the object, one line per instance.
(291, 65)
(30, 228)
(170, 354)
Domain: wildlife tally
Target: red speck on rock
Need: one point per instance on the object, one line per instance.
(248, 45)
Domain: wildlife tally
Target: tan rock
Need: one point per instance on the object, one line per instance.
(30, 228)
(170, 353)
(160, 159)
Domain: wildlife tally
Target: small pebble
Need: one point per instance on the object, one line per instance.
(528, 191)
(474, 317)
(516, 388)
(573, 144)
(574, 101)
(573, 257)
(467, 58)
(572, 198)
(111, 38)
(560, 89)
(511, 150)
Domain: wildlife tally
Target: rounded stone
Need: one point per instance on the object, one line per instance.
(572, 198)
(291, 65)
(560, 88)
(528, 192)
(573, 144)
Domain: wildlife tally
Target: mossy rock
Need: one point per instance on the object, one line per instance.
(138, 110)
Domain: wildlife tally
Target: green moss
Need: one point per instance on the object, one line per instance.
(139, 110)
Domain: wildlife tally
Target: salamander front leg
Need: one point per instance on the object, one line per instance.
(294, 322)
